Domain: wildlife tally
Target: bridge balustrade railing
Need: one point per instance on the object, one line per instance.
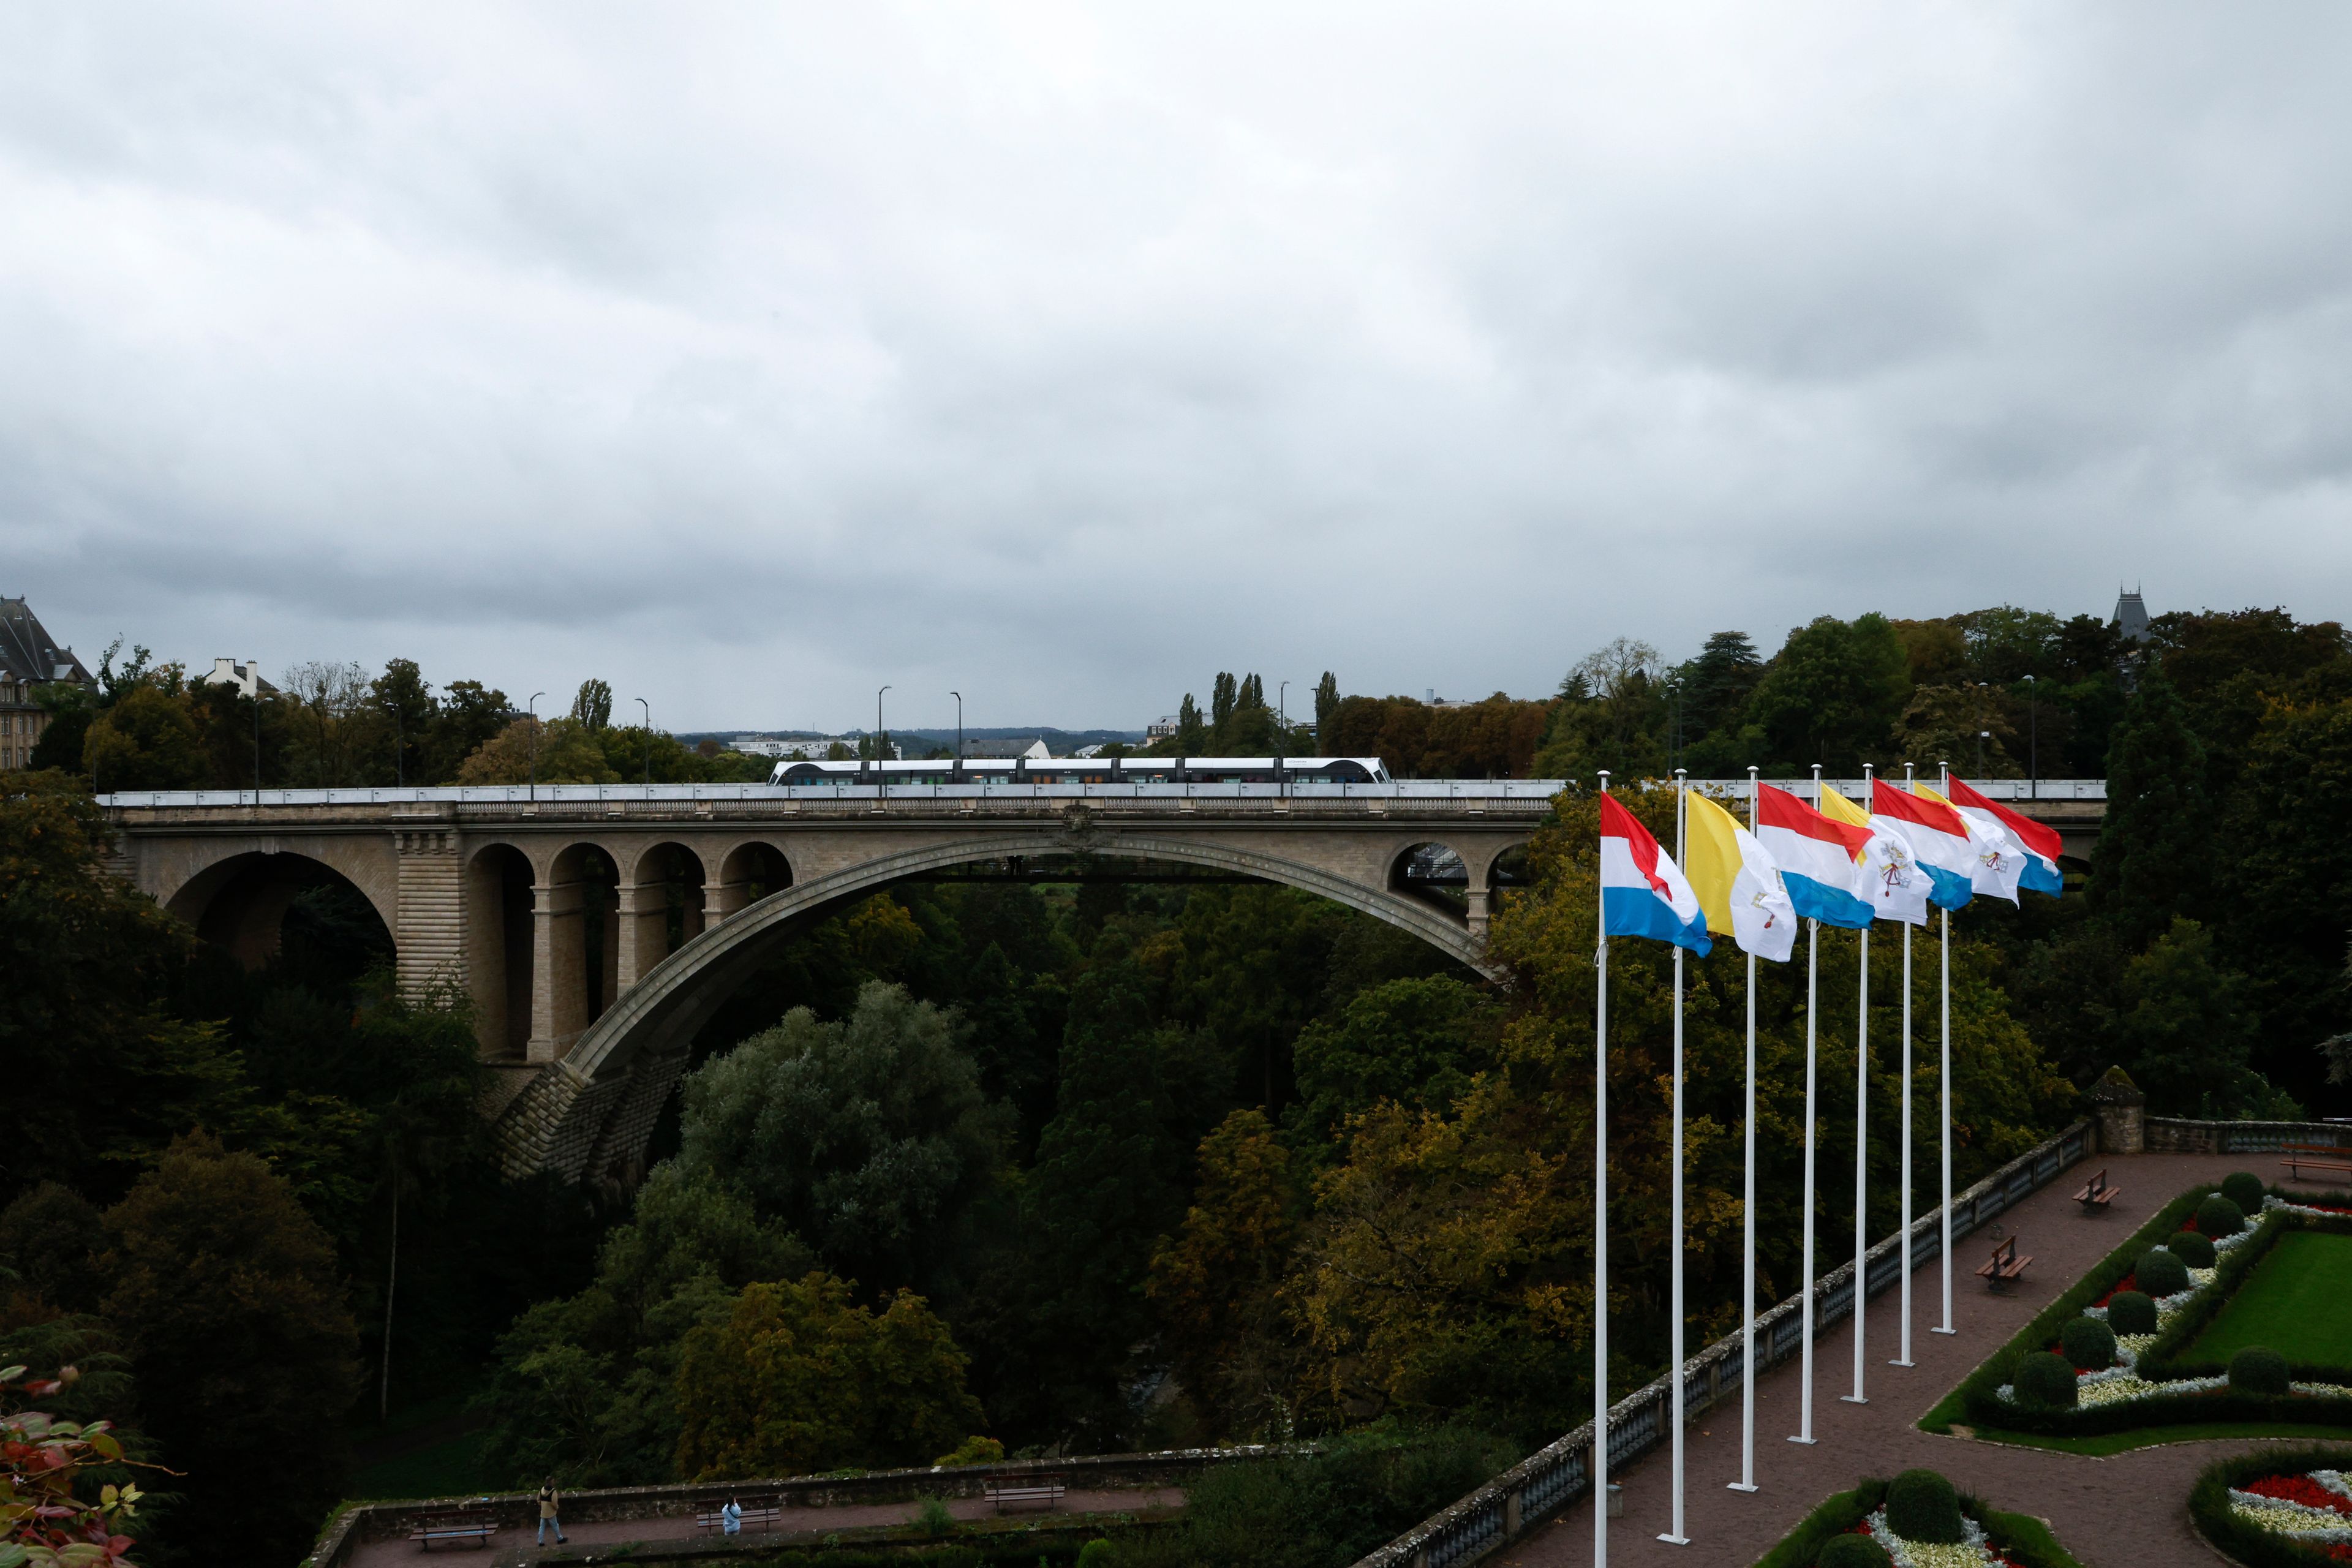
(1559, 1474)
(1530, 793)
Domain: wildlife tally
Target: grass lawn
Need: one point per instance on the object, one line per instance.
(2297, 1301)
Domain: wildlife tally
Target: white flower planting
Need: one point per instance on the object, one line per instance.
(1972, 1552)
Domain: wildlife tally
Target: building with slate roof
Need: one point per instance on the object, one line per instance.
(29, 658)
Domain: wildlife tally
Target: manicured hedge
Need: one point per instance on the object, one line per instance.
(1979, 1395)
(1835, 1517)
(2209, 1504)
(2024, 1539)
(1979, 1399)
(2167, 1359)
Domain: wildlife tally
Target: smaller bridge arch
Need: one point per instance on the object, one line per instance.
(236, 899)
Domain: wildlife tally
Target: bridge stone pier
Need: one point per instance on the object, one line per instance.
(597, 928)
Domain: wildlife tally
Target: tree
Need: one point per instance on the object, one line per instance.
(1219, 1282)
(145, 740)
(1831, 695)
(93, 965)
(1610, 713)
(1327, 702)
(55, 1507)
(868, 1136)
(592, 707)
(585, 1387)
(1191, 735)
(335, 723)
(1416, 1042)
(1955, 724)
(2185, 1034)
(2151, 861)
(1715, 685)
(404, 698)
(800, 1380)
(1222, 696)
(470, 716)
(228, 1297)
(558, 750)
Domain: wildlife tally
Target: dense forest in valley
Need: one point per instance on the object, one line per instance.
(1092, 1165)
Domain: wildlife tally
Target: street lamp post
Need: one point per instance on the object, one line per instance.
(877, 738)
(531, 708)
(649, 740)
(959, 697)
(2034, 732)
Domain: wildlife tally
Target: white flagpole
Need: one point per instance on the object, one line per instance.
(1904, 1244)
(1601, 1238)
(1746, 1481)
(1676, 1536)
(1813, 995)
(1944, 1090)
(1861, 1142)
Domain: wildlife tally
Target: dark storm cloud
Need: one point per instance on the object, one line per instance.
(751, 359)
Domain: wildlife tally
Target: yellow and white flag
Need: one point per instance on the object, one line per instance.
(1736, 883)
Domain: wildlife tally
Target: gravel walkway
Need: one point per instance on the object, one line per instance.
(2127, 1511)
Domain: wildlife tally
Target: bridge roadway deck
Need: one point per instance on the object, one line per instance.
(2129, 1511)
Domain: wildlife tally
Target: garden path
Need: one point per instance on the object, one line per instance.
(2126, 1511)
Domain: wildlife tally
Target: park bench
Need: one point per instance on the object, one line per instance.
(2301, 1157)
(2004, 1267)
(2097, 1192)
(439, 1528)
(758, 1513)
(1025, 1491)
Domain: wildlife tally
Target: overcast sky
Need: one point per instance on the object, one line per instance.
(750, 356)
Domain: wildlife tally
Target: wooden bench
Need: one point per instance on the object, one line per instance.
(2096, 1193)
(761, 1514)
(439, 1528)
(1028, 1491)
(2004, 1267)
(2301, 1157)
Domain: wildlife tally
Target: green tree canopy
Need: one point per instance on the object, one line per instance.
(800, 1379)
(147, 739)
(868, 1136)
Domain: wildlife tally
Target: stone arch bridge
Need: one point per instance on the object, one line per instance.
(596, 928)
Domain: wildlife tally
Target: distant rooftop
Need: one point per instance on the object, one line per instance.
(2131, 617)
(28, 653)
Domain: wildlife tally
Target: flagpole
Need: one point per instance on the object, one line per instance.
(1676, 1536)
(1904, 1244)
(1601, 1234)
(1861, 1142)
(1944, 1090)
(1813, 995)
(1746, 1481)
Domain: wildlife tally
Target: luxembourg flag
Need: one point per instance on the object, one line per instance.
(1736, 883)
(1888, 876)
(2042, 845)
(1819, 859)
(1642, 891)
(1938, 838)
(1999, 859)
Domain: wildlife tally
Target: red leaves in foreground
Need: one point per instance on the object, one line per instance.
(41, 1519)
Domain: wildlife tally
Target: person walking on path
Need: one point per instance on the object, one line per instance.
(730, 1518)
(547, 1514)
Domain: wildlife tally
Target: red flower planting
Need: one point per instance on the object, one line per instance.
(2302, 1489)
(2128, 1282)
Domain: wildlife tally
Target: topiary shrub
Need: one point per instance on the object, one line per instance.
(2258, 1370)
(2131, 1312)
(2046, 1379)
(1851, 1551)
(1923, 1506)
(2193, 1248)
(2244, 1189)
(1097, 1554)
(2218, 1216)
(2161, 1273)
(2088, 1343)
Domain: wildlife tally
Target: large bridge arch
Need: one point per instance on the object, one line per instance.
(593, 1112)
(233, 892)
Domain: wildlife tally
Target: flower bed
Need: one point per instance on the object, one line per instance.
(1992, 1538)
(2278, 1509)
(2153, 1382)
